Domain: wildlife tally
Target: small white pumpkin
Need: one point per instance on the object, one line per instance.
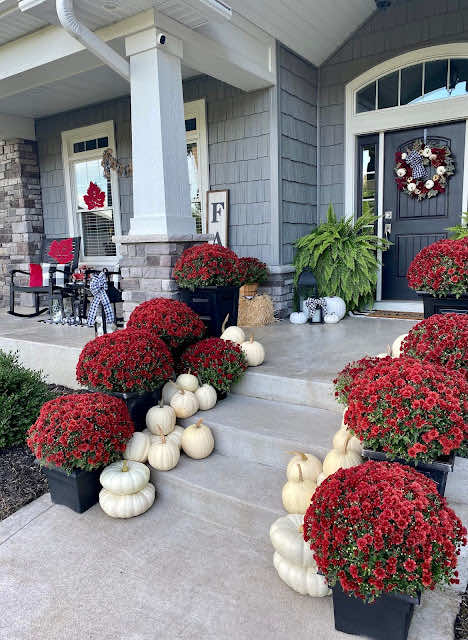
(169, 389)
(206, 396)
(387, 353)
(296, 494)
(184, 403)
(341, 439)
(164, 455)
(174, 436)
(187, 382)
(355, 445)
(287, 538)
(124, 477)
(311, 466)
(138, 447)
(197, 440)
(337, 305)
(253, 351)
(305, 581)
(320, 478)
(232, 333)
(331, 318)
(335, 460)
(127, 506)
(396, 346)
(161, 418)
(298, 317)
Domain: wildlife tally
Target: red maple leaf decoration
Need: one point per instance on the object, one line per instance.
(94, 197)
(61, 250)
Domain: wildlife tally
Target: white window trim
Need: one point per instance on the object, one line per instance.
(197, 109)
(99, 130)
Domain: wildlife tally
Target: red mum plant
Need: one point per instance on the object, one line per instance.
(441, 339)
(81, 431)
(207, 265)
(125, 361)
(172, 321)
(408, 409)
(345, 378)
(381, 528)
(218, 362)
(441, 269)
(252, 271)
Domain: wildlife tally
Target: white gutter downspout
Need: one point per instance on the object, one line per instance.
(92, 42)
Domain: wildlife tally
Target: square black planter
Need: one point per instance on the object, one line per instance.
(78, 490)
(213, 304)
(138, 404)
(450, 304)
(437, 470)
(387, 618)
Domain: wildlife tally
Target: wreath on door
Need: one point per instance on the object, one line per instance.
(422, 171)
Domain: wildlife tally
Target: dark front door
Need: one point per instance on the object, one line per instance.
(417, 223)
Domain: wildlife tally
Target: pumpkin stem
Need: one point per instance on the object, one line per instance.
(223, 326)
(124, 466)
(199, 423)
(251, 338)
(389, 350)
(161, 403)
(301, 529)
(301, 477)
(298, 453)
(161, 433)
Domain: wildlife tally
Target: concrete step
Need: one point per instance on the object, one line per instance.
(241, 495)
(265, 431)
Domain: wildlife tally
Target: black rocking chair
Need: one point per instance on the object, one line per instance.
(54, 251)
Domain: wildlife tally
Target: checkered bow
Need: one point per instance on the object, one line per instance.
(415, 161)
(98, 286)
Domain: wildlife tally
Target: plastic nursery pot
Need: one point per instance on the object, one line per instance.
(78, 490)
(450, 304)
(213, 304)
(138, 404)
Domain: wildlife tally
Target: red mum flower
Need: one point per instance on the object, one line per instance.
(441, 268)
(207, 265)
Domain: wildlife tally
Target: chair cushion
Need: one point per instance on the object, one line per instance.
(39, 274)
(35, 275)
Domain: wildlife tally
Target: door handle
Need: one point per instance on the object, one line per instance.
(387, 229)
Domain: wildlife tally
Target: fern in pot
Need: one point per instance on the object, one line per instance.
(342, 253)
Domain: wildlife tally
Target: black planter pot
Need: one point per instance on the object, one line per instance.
(437, 470)
(450, 304)
(213, 304)
(222, 395)
(78, 491)
(387, 618)
(138, 404)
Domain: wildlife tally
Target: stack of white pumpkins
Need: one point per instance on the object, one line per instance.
(346, 452)
(253, 350)
(186, 396)
(336, 311)
(302, 472)
(126, 490)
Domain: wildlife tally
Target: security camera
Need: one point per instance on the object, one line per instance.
(383, 4)
(162, 38)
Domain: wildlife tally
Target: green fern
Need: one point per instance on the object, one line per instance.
(460, 231)
(342, 255)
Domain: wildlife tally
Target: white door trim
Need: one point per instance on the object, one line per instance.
(197, 109)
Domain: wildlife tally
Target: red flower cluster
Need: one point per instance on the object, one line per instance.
(207, 265)
(441, 269)
(382, 527)
(214, 361)
(409, 409)
(345, 378)
(442, 339)
(81, 431)
(252, 271)
(126, 360)
(172, 321)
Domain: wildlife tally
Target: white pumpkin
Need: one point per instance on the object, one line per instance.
(320, 478)
(206, 396)
(161, 418)
(287, 538)
(138, 447)
(127, 506)
(253, 351)
(187, 382)
(164, 455)
(232, 333)
(331, 318)
(184, 403)
(341, 439)
(301, 579)
(311, 466)
(335, 460)
(197, 440)
(355, 445)
(169, 389)
(387, 353)
(174, 436)
(296, 494)
(396, 346)
(124, 477)
(298, 317)
(336, 305)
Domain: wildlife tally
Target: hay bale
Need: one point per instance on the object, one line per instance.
(255, 312)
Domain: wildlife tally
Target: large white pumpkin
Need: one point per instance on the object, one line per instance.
(124, 477)
(138, 447)
(287, 538)
(296, 494)
(301, 579)
(396, 346)
(335, 460)
(164, 455)
(197, 440)
(169, 389)
(311, 466)
(298, 317)
(253, 351)
(161, 418)
(336, 305)
(127, 506)
(206, 396)
(184, 403)
(187, 382)
(234, 334)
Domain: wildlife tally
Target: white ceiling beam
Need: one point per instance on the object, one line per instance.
(16, 127)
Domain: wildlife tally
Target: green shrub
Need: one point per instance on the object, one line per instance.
(22, 394)
(460, 231)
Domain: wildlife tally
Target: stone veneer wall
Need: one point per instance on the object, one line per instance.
(280, 287)
(21, 222)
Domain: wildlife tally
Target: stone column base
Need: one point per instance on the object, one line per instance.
(147, 263)
(280, 287)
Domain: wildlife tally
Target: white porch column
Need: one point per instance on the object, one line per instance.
(161, 193)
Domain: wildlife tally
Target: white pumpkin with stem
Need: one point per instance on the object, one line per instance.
(253, 351)
(137, 447)
(164, 455)
(184, 403)
(396, 346)
(296, 494)
(197, 440)
(311, 466)
(124, 477)
(174, 436)
(232, 333)
(287, 538)
(344, 440)
(387, 353)
(301, 579)
(187, 382)
(206, 396)
(335, 460)
(161, 418)
(127, 506)
(169, 389)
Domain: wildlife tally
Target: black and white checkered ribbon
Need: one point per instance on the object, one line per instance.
(313, 304)
(98, 286)
(415, 161)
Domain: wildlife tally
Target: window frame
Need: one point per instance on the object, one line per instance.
(197, 109)
(69, 157)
